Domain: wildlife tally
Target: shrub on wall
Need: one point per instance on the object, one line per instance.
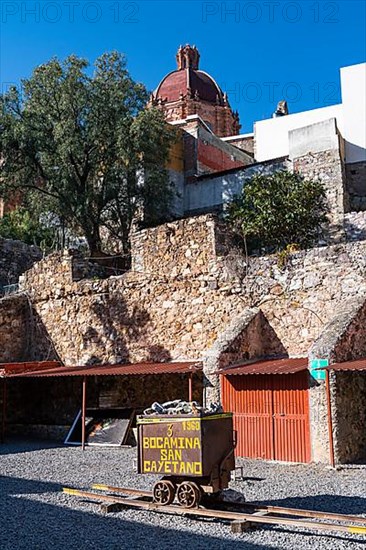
(278, 210)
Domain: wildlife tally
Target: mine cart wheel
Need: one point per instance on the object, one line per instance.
(188, 494)
(164, 492)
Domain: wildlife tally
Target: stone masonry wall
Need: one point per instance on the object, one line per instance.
(356, 185)
(349, 390)
(319, 433)
(248, 337)
(14, 340)
(351, 343)
(327, 166)
(318, 152)
(187, 287)
(15, 258)
(175, 250)
(343, 339)
(350, 417)
(354, 225)
(183, 292)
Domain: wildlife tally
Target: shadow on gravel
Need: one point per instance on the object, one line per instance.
(12, 486)
(15, 445)
(319, 536)
(325, 503)
(28, 524)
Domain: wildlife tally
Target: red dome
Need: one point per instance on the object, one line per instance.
(190, 92)
(182, 82)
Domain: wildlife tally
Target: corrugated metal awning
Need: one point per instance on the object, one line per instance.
(357, 364)
(130, 369)
(268, 366)
(7, 369)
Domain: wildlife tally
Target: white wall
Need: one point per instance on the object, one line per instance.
(321, 136)
(271, 135)
(207, 192)
(353, 81)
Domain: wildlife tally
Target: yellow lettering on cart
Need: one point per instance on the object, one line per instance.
(169, 443)
(191, 425)
(173, 454)
(198, 468)
(172, 467)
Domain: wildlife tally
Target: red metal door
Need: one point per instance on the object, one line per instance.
(271, 415)
(250, 399)
(291, 417)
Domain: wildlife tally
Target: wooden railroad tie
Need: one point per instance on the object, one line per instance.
(240, 526)
(112, 507)
(241, 521)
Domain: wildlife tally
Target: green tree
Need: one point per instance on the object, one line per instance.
(86, 146)
(278, 210)
(21, 225)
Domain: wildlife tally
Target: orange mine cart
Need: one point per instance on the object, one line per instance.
(194, 454)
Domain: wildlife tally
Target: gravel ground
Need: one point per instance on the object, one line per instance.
(35, 514)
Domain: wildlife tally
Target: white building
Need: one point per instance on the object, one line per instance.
(272, 135)
(327, 143)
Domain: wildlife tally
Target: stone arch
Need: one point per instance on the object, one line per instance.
(249, 337)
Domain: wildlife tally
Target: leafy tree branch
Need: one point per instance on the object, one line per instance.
(87, 146)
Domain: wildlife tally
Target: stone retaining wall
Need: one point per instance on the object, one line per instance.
(343, 339)
(183, 293)
(15, 258)
(355, 225)
(188, 289)
(356, 184)
(14, 328)
(327, 167)
(350, 416)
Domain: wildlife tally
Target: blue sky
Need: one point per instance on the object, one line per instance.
(258, 51)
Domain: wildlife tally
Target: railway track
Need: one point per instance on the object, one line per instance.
(244, 515)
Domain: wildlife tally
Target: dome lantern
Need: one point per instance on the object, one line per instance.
(188, 57)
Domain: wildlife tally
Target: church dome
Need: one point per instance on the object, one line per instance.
(188, 92)
(189, 81)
